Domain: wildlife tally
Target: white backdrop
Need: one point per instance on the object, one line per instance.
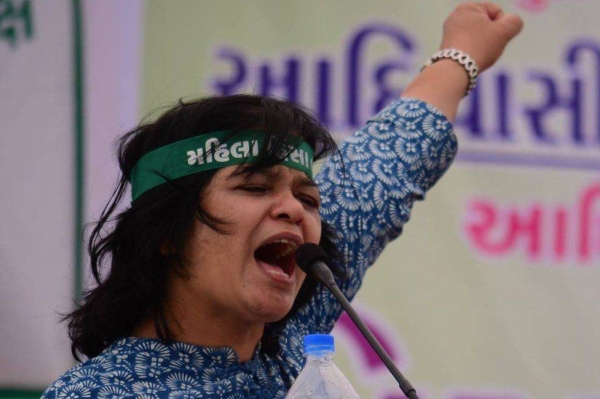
(491, 291)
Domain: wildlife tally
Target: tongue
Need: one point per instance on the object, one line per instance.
(269, 254)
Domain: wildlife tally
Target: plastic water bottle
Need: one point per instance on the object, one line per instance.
(320, 378)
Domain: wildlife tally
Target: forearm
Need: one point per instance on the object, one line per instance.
(481, 30)
(442, 84)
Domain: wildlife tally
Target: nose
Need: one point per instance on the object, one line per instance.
(287, 207)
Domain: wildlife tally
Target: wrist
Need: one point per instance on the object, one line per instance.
(461, 59)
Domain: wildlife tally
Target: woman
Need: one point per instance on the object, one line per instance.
(201, 296)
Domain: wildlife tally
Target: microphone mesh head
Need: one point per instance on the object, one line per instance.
(306, 254)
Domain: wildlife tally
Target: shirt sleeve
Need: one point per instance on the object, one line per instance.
(368, 189)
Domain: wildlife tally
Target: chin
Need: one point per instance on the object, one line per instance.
(277, 314)
(272, 311)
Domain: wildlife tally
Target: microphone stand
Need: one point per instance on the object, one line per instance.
(324, 275)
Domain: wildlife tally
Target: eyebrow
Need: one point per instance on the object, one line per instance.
(305, 181)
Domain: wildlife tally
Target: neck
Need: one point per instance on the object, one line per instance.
(242, 341)
(207, 328)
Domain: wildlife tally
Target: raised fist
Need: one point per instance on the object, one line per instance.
(482, 30)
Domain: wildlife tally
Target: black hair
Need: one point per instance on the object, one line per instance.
(127, 262)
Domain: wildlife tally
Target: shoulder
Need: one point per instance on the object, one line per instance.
(87, 380)
(116, 372)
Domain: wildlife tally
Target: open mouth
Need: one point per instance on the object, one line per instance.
(278, 253)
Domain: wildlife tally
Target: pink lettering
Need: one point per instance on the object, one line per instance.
(496, 231)
(487, 396)
(535, 6)
(560, 233)
(536, 230)
(586, 204)
(367, 360)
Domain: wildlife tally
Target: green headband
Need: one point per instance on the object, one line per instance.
(208, 151)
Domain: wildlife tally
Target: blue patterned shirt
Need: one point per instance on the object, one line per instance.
(367, 191)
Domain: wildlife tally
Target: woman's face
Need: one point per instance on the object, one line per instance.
(250, 273)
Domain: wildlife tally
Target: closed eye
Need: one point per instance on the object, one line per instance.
(255, 188)
(309, 201)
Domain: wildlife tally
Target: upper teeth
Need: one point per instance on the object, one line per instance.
(286, 241)
(288, 250)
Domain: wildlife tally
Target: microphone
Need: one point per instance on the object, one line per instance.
(311, 258)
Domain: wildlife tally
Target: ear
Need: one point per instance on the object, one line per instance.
(166, 248)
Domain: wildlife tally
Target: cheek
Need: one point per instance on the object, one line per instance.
(207, 246)
(300, 277)
(313, 231)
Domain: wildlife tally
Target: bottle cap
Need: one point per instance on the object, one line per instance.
(314, 343)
